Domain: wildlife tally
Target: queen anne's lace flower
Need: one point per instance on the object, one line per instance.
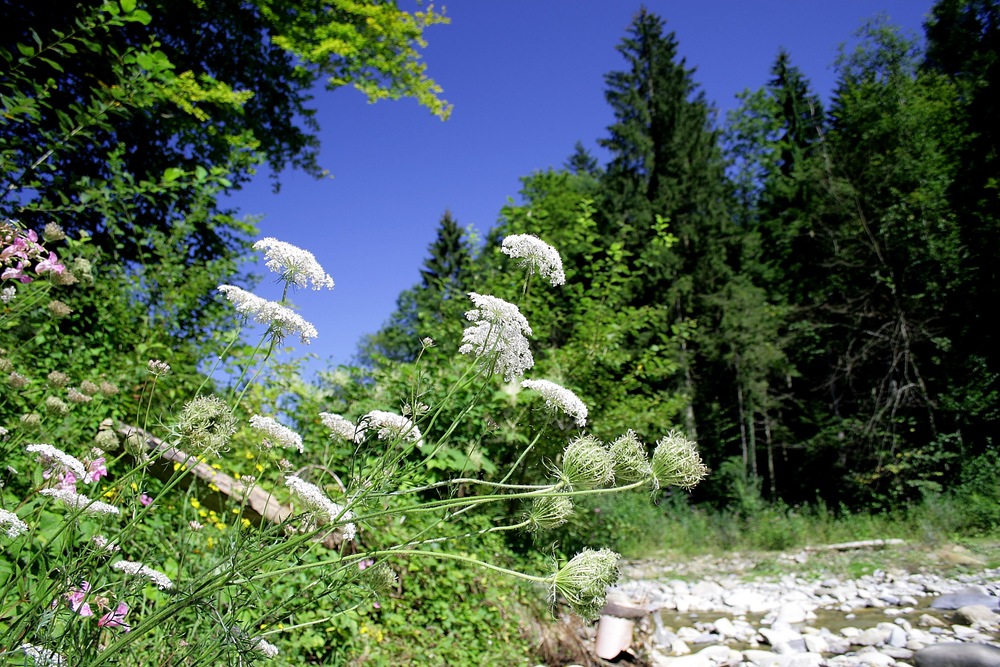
(293, 264)
(80, 501)
(11, 525)
(314, 499)
(267, 648)
(536, 256)
(389, 425)
(57, 461)
(559, 397)
(135, 569)
(498, 336)
(585, 579)
(277, 433)
(42, 656)
(280, 320)
(341, 427)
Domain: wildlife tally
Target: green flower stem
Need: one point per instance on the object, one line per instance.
(404, 552)
(469, 480)
(520, 458)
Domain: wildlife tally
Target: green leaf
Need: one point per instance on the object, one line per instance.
(127, 5)
(25, 50)
(172, 174)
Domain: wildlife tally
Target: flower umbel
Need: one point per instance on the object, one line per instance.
(390, 425)
(136, 569)
(536, 256)
(585, 579)
(549, 512)
(558, 397)
(342, 427)
(295, 265)
(676, 462)
(280, 320)
(587, 464)
(498, 336)
(80, 501)
(629, 456)
(314, 499)
(11, 525)
(276, 433)
(206, 424)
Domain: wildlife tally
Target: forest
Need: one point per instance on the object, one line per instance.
(772, 316)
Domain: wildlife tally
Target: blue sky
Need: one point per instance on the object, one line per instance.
(526, 78)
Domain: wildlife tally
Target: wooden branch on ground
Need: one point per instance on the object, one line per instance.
(860, 544)
(259, 500)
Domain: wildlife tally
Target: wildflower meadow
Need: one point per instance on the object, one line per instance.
(111, 556)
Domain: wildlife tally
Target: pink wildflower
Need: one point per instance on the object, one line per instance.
(146, 500)
(116, 618)
(96, 469)
(51, 264)
(15, 273)
(76, 600)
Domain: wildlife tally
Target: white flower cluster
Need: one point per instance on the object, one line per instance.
(277, 433)
(80, 501)
(390, 425)
(104, 544)
(11, 525)
(135, 569)
(560, 398)
(498, 336)
(314, 498)
(157, 367)
(341, 427)
(49, 455)
(293, 264)
(267, 648)
(7, 294)
(536, 256)
(280, 319)
(42, 656)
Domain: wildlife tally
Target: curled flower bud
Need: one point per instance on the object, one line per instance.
(206, 424)
(583, 582)
(549, 512)
(58, 379)
(59, 309)
(586, 464)
(557, 397)
(380, 578)
(631, 462)
(56, 405)
(536, 256)
(676, 462)
(89, 388)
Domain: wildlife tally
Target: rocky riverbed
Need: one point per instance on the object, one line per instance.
(877, 606)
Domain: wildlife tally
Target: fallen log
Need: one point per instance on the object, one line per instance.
(860, 544)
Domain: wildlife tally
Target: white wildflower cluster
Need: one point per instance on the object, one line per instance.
(52, 456)
(390, 426)
(11, 525)
(42, 656)
(267, 648)
(498, 336)
(135, 569)
(79, 501)
(536, 256)
(314, 499)
(157, 367)
(104, 544)
(8, 294)
(559, 397)
(280, 320)
(293, 264)
(342, 427)
(276, 433)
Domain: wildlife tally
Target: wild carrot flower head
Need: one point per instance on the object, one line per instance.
(536, 256)
(58, 379)
(498, 336)
(42, 657)
(549, 512)
(59, 308)
(629, 455)
(295, 265)
(79, 501)
(342, 428)
(157, 368)
(276, 434)
(135, 569)
(560, 398)
(74, 395)
(585, 579)
(314, 499)
(389, 426)
(676, 462)
(56, 405)
(280, 320)
(206, 424)
(10, 525)
(56, 461)
(587, 464)
(8, 294)
(267, 648)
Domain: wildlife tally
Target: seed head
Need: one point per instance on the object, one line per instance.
(587, 464)
(549, 512)
(629, 455)
(676, 462)
(206, 424)
(585, 579)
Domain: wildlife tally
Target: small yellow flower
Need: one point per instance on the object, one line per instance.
(245, 522)
(195, 504)
(217, 466)
(213, 487)
(259, 467)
